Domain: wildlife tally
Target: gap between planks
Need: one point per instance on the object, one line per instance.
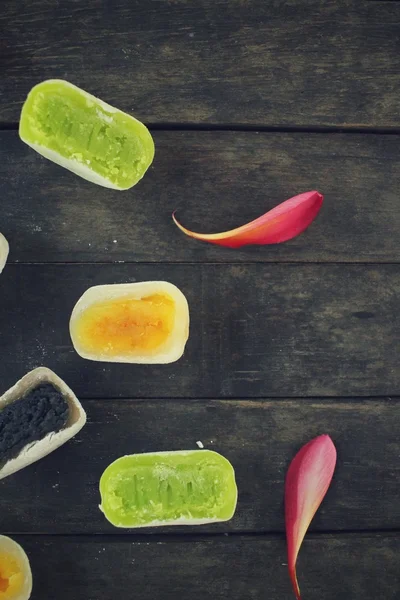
(20, 263)
(140, 538)
(324, 400)
(256, 128)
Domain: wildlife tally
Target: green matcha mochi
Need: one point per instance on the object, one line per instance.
(168, 488)
(84, 134)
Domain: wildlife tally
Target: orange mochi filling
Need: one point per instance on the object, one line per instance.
(11, 577)
(128, 326)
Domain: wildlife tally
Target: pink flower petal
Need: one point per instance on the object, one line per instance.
(282, 223)
(307, 481)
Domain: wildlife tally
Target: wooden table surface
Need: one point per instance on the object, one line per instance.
(249, 102)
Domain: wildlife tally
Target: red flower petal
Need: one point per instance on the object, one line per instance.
(307, 481)
(282, 223)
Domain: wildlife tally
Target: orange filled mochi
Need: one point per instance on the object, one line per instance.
(146, 322)
(15, 571)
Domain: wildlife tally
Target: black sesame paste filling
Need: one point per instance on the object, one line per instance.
(41, 411)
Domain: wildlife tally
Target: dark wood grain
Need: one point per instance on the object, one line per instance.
(212, 61)
(60, 493)
(278, 353)
(256, 330)
(229, 569)
(216, 180)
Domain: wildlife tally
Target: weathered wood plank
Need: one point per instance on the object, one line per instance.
(216, 180)
(212, 61)
(231, 569)
(256, 330)
(60, 493)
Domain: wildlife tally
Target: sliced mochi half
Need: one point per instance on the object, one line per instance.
(15, 571)
(37, 415)
(145, 322)
(4, 249)
(86, 135)
(184, 487)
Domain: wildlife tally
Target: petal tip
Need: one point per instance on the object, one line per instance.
(327, 441)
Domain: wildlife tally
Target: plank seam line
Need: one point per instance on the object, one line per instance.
(256, 128)
(259, 128)
(197, 263)
(208, 537)
(260, 399)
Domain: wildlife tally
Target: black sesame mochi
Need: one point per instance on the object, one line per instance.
(37, 415)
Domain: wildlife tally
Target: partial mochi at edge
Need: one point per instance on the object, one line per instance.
(38, 449)
(4, 250)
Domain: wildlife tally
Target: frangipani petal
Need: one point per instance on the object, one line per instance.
(307, 481)
(282, 223)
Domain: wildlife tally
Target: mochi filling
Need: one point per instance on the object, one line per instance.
(41, 411)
